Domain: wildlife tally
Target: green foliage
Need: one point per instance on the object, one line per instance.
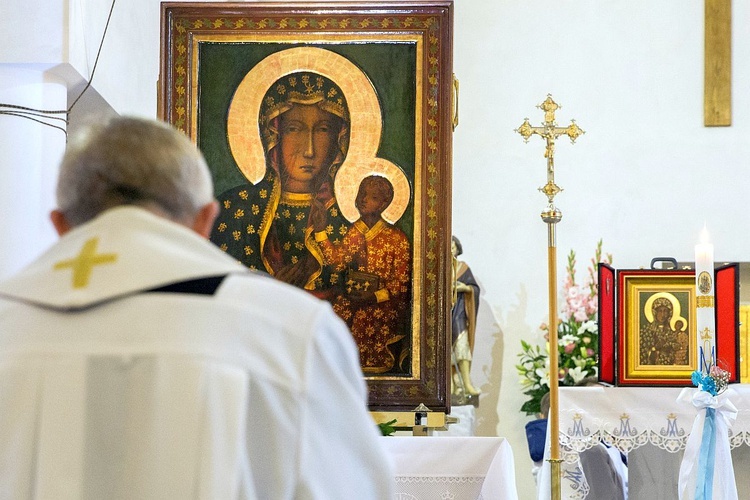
(386, 428)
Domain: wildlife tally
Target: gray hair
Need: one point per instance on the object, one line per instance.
(132, 161)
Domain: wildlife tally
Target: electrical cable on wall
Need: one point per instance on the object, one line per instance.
(48, 117)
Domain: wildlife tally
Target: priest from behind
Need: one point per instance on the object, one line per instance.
(137, 360)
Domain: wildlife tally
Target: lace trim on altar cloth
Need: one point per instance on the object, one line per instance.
(672, 441)
(439, 487)
(667, 433)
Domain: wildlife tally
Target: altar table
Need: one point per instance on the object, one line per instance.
(649, 426)
(460, 468)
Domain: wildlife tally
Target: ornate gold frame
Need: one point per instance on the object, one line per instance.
(745, 344)
(348, 28)
(637, 290)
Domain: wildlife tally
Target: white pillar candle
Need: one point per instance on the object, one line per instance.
(704, 301)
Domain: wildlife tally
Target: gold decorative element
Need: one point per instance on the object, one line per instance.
(744, 344)
(190, 27)
(242, 121)
(717, 77)
(365, 128)
(421, 421)
(705, 283)
(676, 309)
(454, 121)
(551, 216)
(704, 301)
(549, 131)
(706, 334)
(637, 289)
(83, 264)
(347, 186)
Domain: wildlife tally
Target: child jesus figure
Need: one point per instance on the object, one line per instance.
(374, 256)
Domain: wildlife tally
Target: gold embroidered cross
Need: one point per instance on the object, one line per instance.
(85, 261)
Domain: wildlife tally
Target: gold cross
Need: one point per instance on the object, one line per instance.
(549, 131)
(85, 261)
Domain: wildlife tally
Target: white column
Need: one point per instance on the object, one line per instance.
(29, 156)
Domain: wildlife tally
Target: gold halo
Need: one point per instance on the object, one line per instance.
(347, 186)
(675, 308)
(242, 122)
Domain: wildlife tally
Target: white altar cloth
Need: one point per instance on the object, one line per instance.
(460, 468)
(629, 419)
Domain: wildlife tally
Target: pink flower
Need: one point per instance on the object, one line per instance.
(569, 348)
(592, 305)
(581, 315)
(590, 352)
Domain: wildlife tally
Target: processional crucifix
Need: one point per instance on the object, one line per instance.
(549, 131)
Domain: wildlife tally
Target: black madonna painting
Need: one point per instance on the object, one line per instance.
(289, 218)
(664, 334)
(329, 156)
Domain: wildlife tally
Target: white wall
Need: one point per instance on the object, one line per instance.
(645, 177)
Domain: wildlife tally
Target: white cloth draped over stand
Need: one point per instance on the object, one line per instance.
(460, 468)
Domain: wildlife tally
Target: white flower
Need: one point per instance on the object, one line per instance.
(588, 326)
(577, 374)
(543, 374)
(568, 339)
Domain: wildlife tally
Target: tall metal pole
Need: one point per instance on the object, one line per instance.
(551, 216)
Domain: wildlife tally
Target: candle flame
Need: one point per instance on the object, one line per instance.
(704, 235)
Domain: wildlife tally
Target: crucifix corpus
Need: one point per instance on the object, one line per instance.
(549, 131)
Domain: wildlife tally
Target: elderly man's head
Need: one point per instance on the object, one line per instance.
(134, 161)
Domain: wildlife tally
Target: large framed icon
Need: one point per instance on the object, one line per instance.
(304, 110)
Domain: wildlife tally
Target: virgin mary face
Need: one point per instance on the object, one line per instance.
(662, 315)
(308, 142)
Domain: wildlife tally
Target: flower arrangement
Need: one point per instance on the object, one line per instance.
(578, 337)
(714, 382)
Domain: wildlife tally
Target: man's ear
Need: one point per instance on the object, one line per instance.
(61, 224)
(204, 219)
